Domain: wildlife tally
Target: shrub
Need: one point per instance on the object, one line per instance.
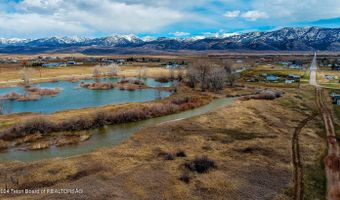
(268, 95)
(12, 96)
(35, 125)
(181, 153)
(265, 94)
(169, 156)
(185, 178)
(162, 79)
(165, 155)
(180, 100)
(200, 165)
(101, 118)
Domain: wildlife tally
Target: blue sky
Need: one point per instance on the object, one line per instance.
(171, 18)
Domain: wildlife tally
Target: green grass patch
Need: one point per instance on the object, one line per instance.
(331, 85)
(315, 179)
(337, 111)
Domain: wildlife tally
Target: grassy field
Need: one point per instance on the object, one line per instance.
(11, 75)
(248, 161)
(337, 119)
(247, 148)
(332, 84)
(273, 69)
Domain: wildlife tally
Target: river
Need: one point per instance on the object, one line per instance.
(108, 136)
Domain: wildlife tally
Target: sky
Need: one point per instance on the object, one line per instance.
(160, 18)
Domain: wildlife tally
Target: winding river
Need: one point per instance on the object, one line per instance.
(108, 136)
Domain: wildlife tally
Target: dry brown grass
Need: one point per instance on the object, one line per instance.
(249, 142)
(10, 75)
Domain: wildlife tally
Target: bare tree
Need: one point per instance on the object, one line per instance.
(203, 68)
(96, 73)
(113, 70)
(198, 73)
(217, 78)
(142, 72)
(191, 77)
(230, 75)
(180, 74)
(171, 73)
(25, 76)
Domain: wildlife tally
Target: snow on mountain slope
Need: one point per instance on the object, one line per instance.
(304, 38)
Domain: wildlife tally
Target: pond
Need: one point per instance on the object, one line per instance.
(74, 97)
(108, 136)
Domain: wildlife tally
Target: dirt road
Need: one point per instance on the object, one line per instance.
(297, 161)
(332, 160)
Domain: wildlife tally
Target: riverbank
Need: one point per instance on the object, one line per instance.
(247, 145)
(30, 130)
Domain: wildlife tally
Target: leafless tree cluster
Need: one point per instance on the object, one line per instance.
(25, 76)
(171, 73)
(210, 75)
(142, 72)
(180, 74)
(96, 73)
(113, 70)
(230, 75)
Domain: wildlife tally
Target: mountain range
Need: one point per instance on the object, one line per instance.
(285, 39)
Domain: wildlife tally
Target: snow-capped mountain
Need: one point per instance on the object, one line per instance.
(287, 39)
(13, 41)
(116, 40)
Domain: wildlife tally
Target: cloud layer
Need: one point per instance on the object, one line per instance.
(178, 18)
(41, 17)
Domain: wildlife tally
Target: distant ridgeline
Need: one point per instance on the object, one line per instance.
(286, 39)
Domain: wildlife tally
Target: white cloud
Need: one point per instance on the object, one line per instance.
(251, 15)
(220, 34)
(84, 17)
(180, 34)
(40, 18)
(298, 10)
(254, 15)
(232, 14)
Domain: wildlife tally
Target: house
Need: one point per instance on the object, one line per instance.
(295, 66)
(333, 94)
(71, 62)
(173, 66)
(54, 65)
(272, 78)
(287, 81)
(330, 77)
(336, 100)
(294, 77)
(120, 61)
(284, 63)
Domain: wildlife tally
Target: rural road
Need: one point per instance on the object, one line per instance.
(332, 160)
(313, 70)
